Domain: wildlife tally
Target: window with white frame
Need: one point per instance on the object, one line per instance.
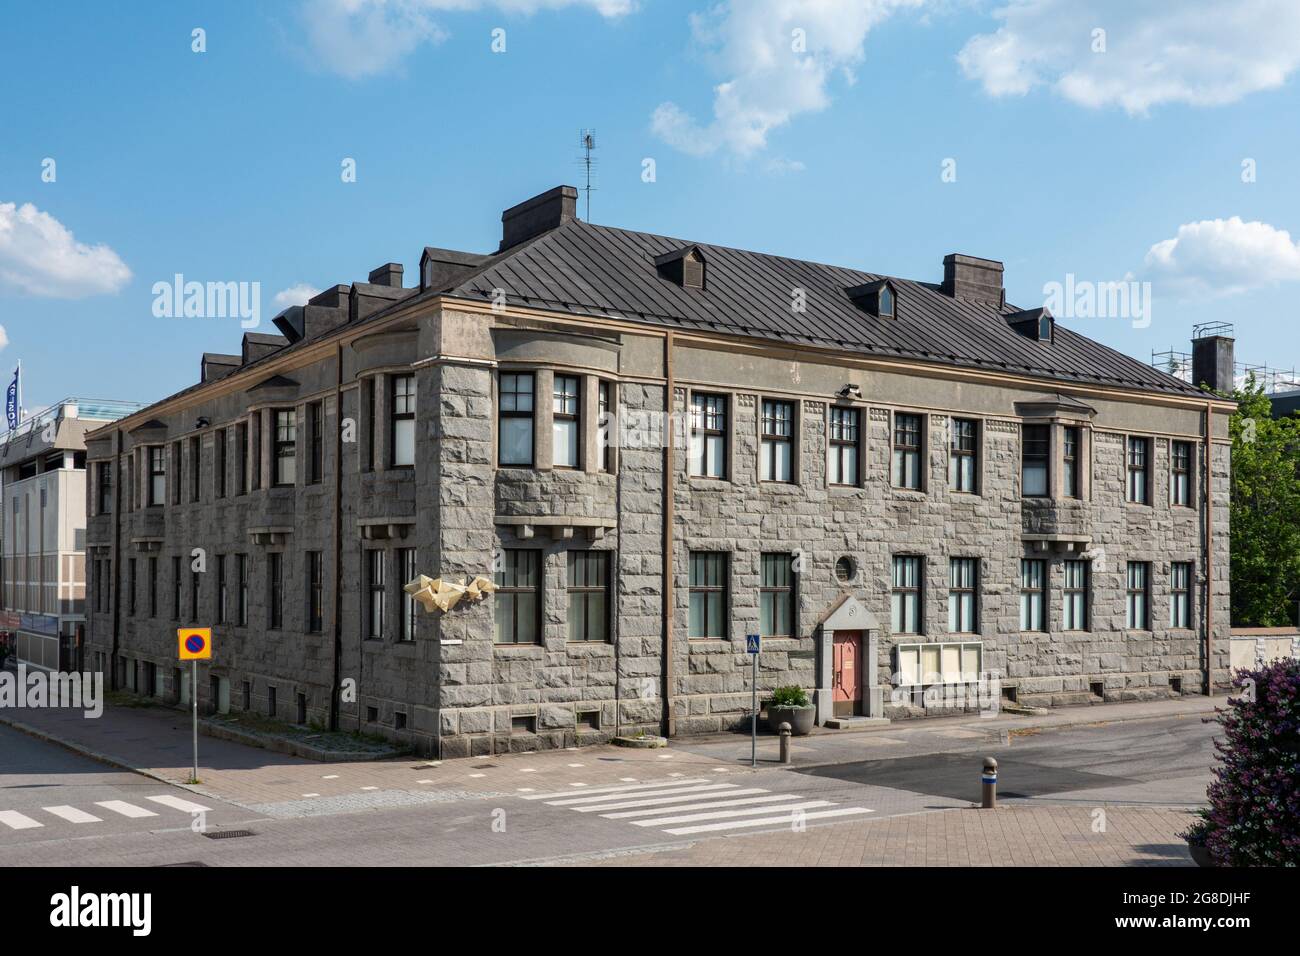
(948, 662)
(515, 419)
(1180, 594)
(1033, 594)
(963, 595)
(1074, 604)
(567, 422)
(708, 435)
(1138, 596)
(286, 446)
(845, 424)
(777, 441)
(905, 597)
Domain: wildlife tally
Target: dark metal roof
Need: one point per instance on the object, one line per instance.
(599, 270)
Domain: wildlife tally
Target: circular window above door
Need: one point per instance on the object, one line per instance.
(846, 570)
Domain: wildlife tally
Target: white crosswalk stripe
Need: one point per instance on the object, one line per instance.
(72, 814)
(697, 805)
(18, 821)
(30, 820)
(125, 809)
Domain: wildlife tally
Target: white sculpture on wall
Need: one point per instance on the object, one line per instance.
(435, 593)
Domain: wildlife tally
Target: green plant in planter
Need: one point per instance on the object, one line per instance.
(790, 696)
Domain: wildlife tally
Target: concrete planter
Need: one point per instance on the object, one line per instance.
(1200, 855)
(648, 742)
(800, 719)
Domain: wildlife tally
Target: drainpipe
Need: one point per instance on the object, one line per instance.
(669, 472)
(338, 541)
(1209, 553)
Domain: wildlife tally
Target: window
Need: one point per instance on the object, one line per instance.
(518, 605)
(963, 599)
(219, 440)
(286, 446)
(406, 606)
(316, 443)
(567, 421)
(194, 597)
(153, 587)
(371, 398)
(196, 472)
(961, 456)
(1074, 609)
(777, 454)
(221, 589)
(905, 599)
(604, 425)
(907, 451)
(402, 434)
(176, 588)
(1180, 482)
(1035, 442)
(886, 303)
(1033, 594)
(375, 594)
(1137, 471)
(1070, 485)
(1180, 600)
(708, 435)
(241, 565)
(241, 458)
(255, 448)
(131, 585)
(845, 428)
(776, 596)
(176, 472)
(515, 419)
(104, 474)
(846, 570)
(1137, 611)
(275, 590)
(947, 663)
(588, 595)
(316, 592)
(708, 594)
(157, 475)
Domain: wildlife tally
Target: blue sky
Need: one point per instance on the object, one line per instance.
(1118, 163)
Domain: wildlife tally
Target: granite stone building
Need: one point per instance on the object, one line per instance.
(656, 447)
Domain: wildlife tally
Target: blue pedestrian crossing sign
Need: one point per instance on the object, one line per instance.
(753, 643)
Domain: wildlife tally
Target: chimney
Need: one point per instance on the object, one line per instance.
(538, 215)
(1212, 363)
(389, 274)
(969, 277)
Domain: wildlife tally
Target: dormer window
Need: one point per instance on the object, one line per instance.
(1033, 324)
(686, 267)
(875, 298)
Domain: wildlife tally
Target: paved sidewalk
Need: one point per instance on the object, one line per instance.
(156, 741)
(1008, 836)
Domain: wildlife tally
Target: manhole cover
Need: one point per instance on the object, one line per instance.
(228, 834)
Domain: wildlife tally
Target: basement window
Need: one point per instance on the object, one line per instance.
(523, 725)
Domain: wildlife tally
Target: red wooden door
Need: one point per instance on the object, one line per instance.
(846, 673)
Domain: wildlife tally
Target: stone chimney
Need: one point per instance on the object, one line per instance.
(538, 215)
(389, 274)
(969, 277)
(1212, 363)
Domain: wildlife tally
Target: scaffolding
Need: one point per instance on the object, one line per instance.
(1179, 364)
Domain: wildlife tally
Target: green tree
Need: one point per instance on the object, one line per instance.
(1265, 511)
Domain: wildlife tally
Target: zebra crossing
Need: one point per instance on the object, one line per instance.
(36, 818)
(697, 805)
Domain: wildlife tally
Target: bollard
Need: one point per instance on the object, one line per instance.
(785, 742)
(990, 781)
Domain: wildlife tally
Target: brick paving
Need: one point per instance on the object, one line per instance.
(1009, 836)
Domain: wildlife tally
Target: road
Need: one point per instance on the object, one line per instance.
(1158, 762)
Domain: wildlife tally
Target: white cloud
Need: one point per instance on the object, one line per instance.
(294, 295)
(4, 337)
(772, 72)
(358, 38)
(40, 256)
(1198, 52)
(1223, 257)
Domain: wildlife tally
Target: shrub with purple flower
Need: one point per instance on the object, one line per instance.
(1254, 813)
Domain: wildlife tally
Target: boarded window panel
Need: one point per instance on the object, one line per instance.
(970, 662)
(951, 668)
(930, 663)
(909, 664)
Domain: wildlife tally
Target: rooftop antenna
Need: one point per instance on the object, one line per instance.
(587, 141)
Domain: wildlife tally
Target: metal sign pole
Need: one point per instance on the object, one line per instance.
(194, 710)
(753, 717)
